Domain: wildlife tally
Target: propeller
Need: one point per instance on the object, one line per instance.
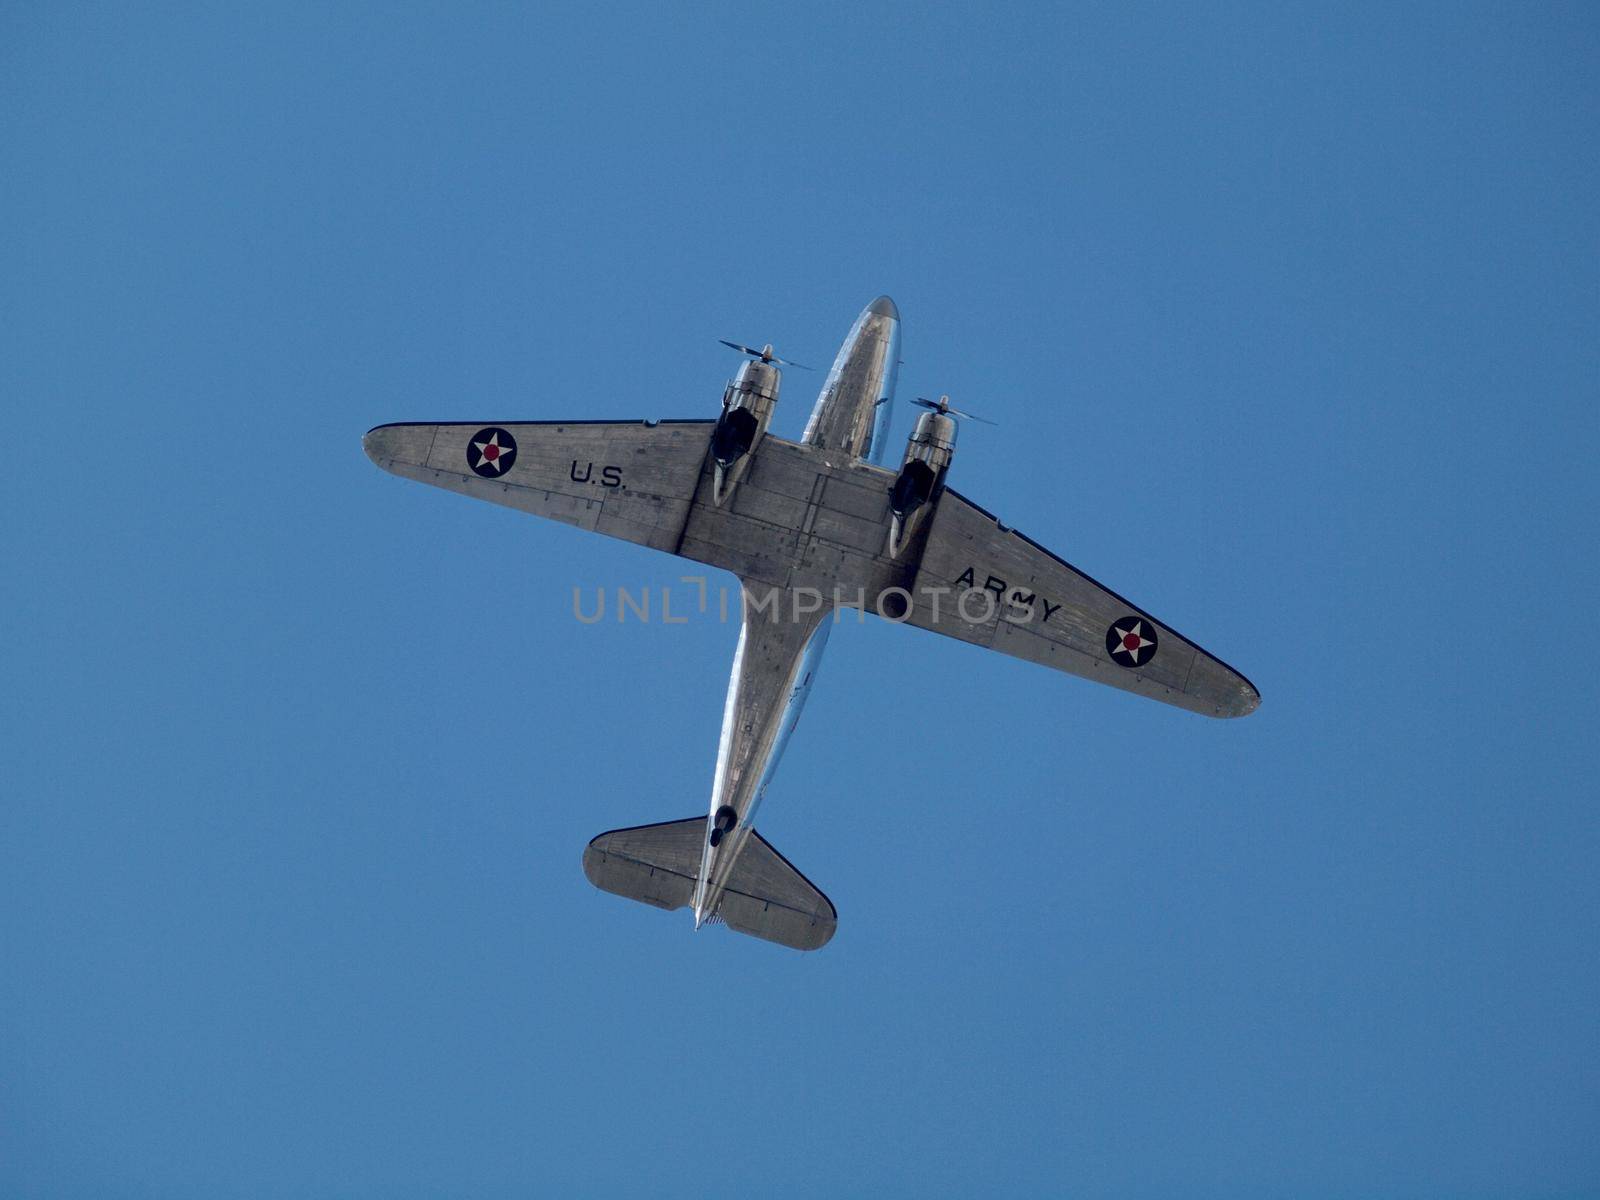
(765, 354)
(943, 409)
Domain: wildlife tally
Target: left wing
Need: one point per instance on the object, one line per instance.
(633, 480)
(997, 589)
(797, 518)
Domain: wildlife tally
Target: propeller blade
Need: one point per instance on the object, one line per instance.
(765, 354)
(972, 417)
(945, 407)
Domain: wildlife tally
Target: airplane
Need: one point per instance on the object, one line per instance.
(809, 528)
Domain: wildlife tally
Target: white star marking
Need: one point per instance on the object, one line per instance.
(484, 455)
(1135, 633)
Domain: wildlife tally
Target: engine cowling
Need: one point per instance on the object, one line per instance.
(747, 406)
(928, 453)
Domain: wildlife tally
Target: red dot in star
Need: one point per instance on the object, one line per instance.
(1130, 643)
(491, 452)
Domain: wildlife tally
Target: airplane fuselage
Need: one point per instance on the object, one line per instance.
(781, 647)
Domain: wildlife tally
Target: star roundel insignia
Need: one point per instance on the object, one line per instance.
(491, 451)
(1131, 642)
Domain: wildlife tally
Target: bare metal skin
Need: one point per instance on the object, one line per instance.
(807, 527)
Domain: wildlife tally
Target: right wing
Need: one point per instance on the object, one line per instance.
(1041, 608)
(633, 480)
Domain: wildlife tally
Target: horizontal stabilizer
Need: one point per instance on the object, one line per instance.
(765, 897)
(657, 864)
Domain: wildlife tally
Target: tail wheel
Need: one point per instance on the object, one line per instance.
(725, 819)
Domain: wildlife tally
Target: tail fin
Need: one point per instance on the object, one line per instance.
(765, 897)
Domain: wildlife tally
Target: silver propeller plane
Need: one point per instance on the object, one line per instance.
(808, 527)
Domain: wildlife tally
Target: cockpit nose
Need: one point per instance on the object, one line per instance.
(884, 307)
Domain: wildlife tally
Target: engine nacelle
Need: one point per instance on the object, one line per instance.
(928, 453)
(746, 412)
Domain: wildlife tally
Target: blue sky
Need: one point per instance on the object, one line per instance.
(1289, 318)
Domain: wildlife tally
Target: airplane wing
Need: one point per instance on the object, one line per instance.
(799, 519)
(633, 480)
(796, 519)
(1047, 611)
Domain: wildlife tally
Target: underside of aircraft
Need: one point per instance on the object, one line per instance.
(807, 527)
